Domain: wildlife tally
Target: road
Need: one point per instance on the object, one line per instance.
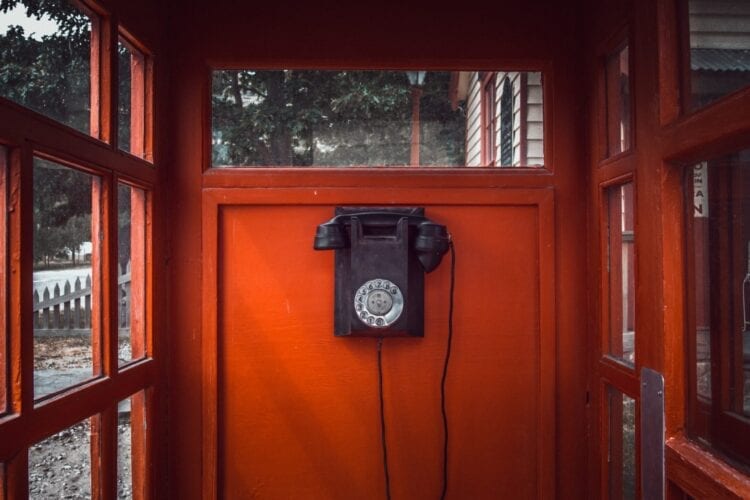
(59, 277)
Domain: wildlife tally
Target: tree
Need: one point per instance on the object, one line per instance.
(51, 75)
(62, 210)
(281, 117)
(290, 117)
(77, 230)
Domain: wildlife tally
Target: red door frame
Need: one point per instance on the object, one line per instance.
(196, 190)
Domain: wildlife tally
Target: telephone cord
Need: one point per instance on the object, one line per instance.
(445, 371)
(442, 390)
(382, 420)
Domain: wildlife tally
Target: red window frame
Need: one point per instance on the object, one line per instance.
(141, 96)
(717, 422)
(3, 279)
(608, 172)
(27, 134)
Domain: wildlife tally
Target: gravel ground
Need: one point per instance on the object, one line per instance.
(59, 353)
(60, 466)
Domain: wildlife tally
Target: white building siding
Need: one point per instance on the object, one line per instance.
(534, 116)
(718, 24)
(534, 120)
(473, 123)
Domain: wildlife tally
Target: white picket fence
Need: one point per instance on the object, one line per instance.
(67, 312)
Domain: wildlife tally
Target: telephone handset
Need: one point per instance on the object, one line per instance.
(381, 257)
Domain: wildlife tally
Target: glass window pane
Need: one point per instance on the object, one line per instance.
(621, 456)
(3, 280)
(123, 116)
(66, 287)
(131, 442)
(60, 466)
(720, 231)
(617, 83)
(370, 118)
(124, 450)
(621, 266)
(131, 252)
(719, 49)
(45, 50)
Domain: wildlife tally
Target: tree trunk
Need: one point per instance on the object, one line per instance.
(280, 136)
(236, 92)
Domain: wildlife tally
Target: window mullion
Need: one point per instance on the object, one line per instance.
(104, 78)
(22, 265)
(104, 226)
(141, 422)
(20, 344)
(103, 454)
(138, 288)
(4, 288)
(137, 101)
(16, 473)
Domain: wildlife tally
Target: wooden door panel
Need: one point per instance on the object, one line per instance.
(297, 409)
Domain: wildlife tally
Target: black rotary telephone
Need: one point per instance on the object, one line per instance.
(381, 257)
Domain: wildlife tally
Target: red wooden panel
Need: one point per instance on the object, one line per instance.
(297, 408)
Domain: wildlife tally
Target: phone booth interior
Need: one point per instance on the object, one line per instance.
(291, 404)
(374, 251)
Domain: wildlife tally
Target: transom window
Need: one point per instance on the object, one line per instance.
(302, 118)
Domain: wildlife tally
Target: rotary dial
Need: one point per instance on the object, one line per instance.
(378, 303)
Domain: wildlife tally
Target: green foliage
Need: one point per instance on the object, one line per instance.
(284, 117)
(70, 21)
(62, 210)
(307, 117)
(51, 75)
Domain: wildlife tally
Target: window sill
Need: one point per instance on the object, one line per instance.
(701, 474)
